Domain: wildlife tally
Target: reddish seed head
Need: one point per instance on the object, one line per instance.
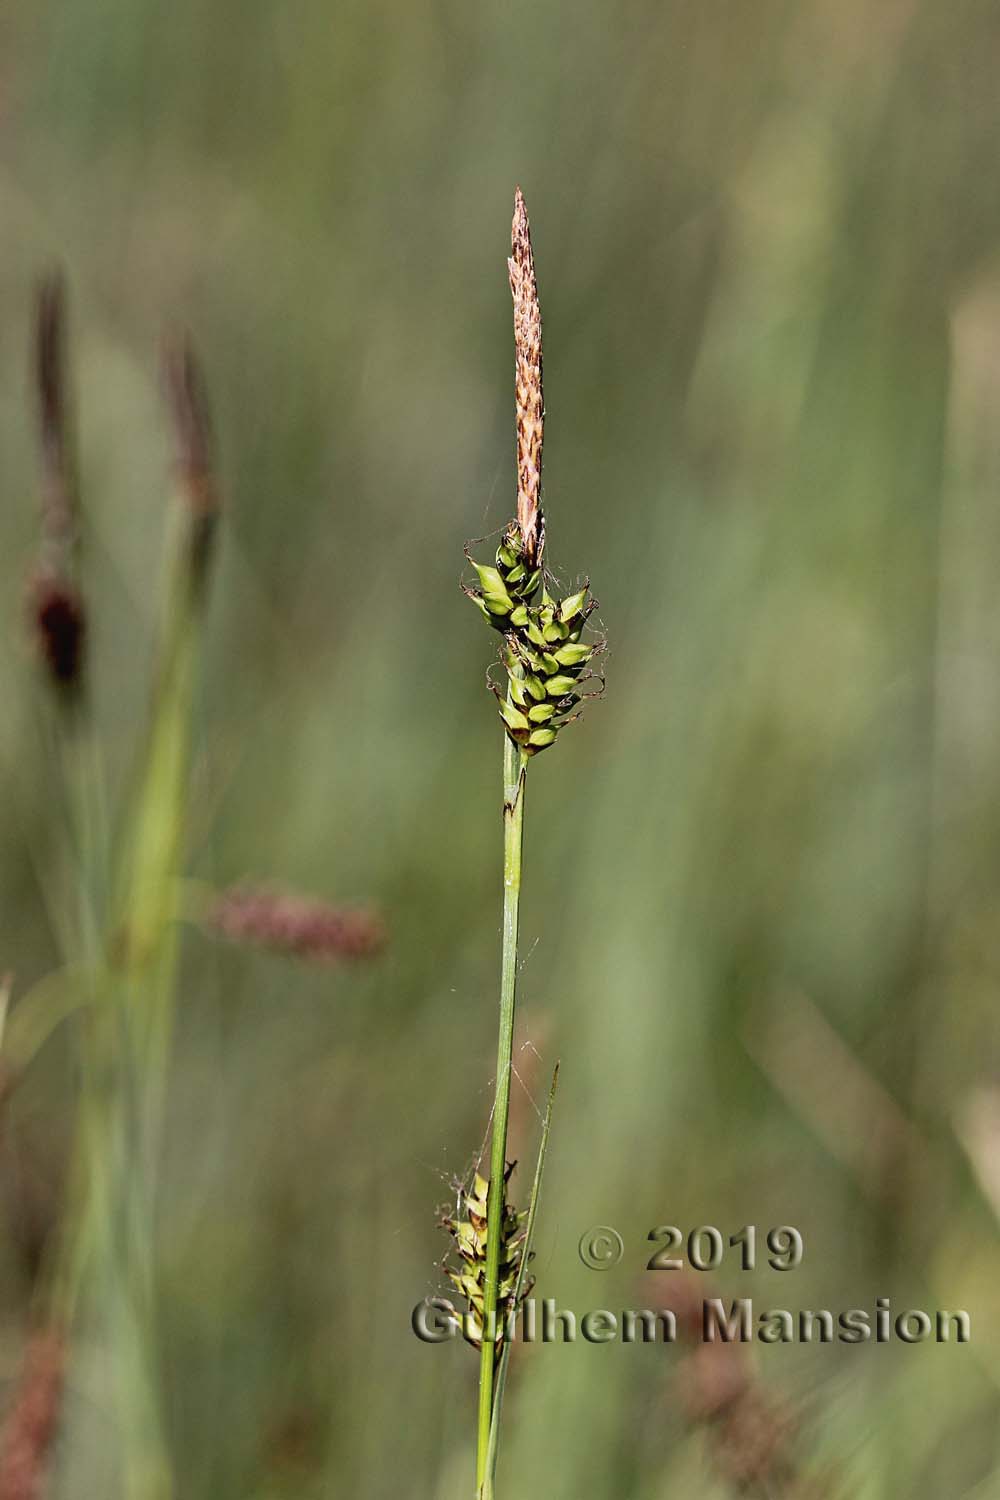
(296, 925)
(30, 1428)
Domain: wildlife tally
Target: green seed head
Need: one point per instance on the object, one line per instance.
(543, 651)
(520, 579)
(468, 1229)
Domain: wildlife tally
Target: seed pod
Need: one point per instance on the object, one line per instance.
(512, 716)
(574, 655)
(541, 739)
(573, 606)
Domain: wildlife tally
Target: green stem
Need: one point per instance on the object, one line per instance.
(500, 1379)
(514, 762)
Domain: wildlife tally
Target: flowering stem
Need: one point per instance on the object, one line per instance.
(514, 763)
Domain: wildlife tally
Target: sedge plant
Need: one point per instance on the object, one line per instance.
(546, 661)
(119, 981)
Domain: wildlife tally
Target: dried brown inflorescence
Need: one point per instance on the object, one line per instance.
(30, 1429)
(752, 1437)
(295, 924)
(59, 625)
(56, 611)
(530, 405)
(59, 498)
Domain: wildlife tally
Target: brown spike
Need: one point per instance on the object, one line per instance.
(59, 507)
(188, 403)
(192, 427)
(55, 603)
(527, 383)
(50, 344)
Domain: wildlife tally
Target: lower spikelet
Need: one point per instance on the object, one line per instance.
(468, 1229)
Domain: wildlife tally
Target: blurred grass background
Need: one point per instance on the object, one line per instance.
(761, 900)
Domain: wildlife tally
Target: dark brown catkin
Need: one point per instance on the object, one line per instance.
(56, 610)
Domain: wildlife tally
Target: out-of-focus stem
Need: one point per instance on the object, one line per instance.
(128, 1027)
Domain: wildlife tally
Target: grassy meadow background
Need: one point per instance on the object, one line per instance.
(761, 912)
